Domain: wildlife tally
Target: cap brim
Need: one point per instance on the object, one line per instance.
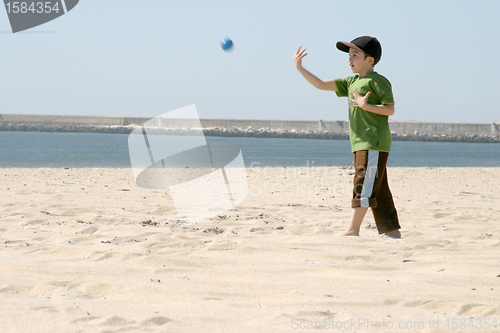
(344, 46)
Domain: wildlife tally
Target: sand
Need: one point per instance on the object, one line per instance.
(86, 250)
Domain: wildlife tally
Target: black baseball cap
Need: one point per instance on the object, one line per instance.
(367, 44)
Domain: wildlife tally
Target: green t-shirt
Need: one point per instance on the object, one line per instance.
(368, 130)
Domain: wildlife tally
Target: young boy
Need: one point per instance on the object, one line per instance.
(370, 105)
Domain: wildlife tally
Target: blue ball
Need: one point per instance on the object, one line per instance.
(226, 43)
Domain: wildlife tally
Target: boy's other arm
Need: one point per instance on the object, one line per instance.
(315, 81)
(382, 109)
(362, 102)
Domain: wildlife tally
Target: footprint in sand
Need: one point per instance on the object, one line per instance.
(156, 321)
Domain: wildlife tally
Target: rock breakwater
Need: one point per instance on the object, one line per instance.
(244, 132)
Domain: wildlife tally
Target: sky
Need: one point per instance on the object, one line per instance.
(142, 58)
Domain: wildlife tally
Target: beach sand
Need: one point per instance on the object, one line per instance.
(86, 250)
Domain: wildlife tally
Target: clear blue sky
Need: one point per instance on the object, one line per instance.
(147, 57)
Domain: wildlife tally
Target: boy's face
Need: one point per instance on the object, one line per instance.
(358, 62)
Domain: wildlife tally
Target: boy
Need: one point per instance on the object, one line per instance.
(370, 105)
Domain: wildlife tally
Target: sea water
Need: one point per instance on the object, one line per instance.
(57, 150)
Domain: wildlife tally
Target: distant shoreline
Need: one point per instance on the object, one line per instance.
(246, 132)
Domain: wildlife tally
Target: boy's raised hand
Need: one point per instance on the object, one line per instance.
(297, 57)
(360, 101)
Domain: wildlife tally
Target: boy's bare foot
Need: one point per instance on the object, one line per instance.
(393, 234)
(349, 233)
(357, 216)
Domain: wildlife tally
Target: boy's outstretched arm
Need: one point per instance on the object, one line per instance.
(315, 81)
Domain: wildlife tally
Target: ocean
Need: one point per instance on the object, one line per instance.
(75, 150)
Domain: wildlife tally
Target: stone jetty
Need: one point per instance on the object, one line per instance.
(258, 128)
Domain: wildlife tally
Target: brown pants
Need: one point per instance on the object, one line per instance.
(371, 189)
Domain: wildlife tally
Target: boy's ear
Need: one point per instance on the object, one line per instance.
(371, 60)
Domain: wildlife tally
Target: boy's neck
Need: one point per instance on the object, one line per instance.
(366, 72)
